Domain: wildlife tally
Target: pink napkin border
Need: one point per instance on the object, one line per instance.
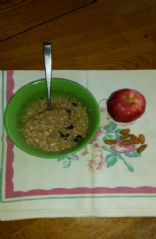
(9, 187)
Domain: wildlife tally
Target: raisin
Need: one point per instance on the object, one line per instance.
(64, 136)
(61, 134)
(70, 126)
(73, 103)
(77, 138)
(68, 111)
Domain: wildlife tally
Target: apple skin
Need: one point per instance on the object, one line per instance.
(126, 105)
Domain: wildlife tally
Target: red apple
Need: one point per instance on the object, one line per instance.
(126, 105)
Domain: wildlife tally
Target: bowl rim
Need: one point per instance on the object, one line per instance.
(52, 155)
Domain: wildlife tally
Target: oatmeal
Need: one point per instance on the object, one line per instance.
(56, 130)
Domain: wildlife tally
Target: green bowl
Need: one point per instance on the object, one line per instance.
(33, 91)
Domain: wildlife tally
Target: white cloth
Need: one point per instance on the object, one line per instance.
(99, 180)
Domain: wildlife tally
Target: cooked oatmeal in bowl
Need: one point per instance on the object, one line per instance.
(65, 130)
(58, 129)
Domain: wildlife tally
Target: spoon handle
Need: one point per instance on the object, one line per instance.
(48, 69)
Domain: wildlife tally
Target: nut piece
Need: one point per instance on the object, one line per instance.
(110, 141)
(134, 139)
(125, 131)
(127, 142)
(141, 138)
(128, 139)
(141, 148)
(124, 136)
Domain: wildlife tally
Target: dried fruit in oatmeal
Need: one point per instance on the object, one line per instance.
(70, 126)
(78, 138)
(58, 129)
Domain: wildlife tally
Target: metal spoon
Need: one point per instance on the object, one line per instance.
(48, 71)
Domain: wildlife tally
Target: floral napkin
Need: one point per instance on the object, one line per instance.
(103, 179)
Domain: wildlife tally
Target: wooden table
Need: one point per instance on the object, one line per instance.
(86, 34)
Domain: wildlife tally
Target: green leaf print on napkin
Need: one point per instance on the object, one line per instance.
(110, 160)
(111, 127)
(133, 154)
